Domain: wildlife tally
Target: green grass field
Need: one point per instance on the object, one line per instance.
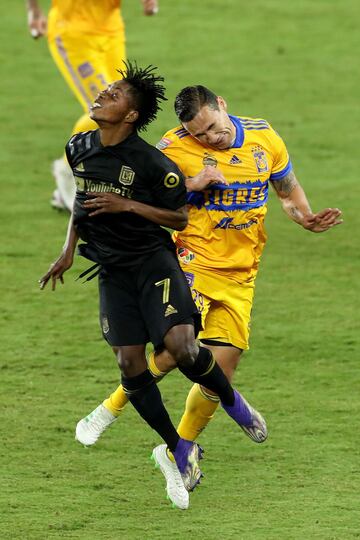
(295, 64)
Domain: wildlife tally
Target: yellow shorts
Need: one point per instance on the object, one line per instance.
(88, 62)
(225, 305)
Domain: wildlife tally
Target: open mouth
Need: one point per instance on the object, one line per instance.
(95, 105)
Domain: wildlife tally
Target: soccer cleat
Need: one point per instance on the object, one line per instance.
(187, 455)
(256, 429)
(65, 183)
(89, 429)
(176, 491)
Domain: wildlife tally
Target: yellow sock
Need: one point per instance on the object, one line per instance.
(154, 370)
(84, 123)
(116, 401)
(199, 410)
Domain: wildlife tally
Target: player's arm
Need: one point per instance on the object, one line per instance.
(206, 177)
(37, 22)
(297, 207)
(150, 7)
(111, 203)
(64, 261)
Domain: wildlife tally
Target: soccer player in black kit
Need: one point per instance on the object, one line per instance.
(126, 191)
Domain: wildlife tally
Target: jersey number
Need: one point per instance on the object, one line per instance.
(166, 292)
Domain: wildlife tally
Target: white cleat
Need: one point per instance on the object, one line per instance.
(65, 183)
(89, 429)
(175, 488)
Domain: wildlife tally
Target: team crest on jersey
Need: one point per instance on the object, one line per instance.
(210, 160)
(185, 255)
(171, 180)
(260, 159)
(163, 143)
(126, 176)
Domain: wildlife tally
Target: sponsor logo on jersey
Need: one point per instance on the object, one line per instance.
(209, 159)
(163, 143)
(84, 184)
(171, 180)
(235, 160)
(126, 175)
(190, 278)
(105, 324)
(260, 159)
(185, 255)
(170, 310)
(227, 223)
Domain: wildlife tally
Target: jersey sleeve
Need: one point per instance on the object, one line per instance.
(172, 146)
(282, 163)
(168, 183)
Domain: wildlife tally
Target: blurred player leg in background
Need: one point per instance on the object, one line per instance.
(87, 42)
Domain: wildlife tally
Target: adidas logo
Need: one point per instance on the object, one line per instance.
(80, 167)
(234, 160)
(170, 310)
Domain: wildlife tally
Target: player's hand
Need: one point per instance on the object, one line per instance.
(37, 23)
(106, 203)
(322, 221)
(150, 7)
(208, 176)
(56, 271)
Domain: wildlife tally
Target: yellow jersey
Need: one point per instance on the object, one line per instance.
(88, 16)
(226, 230)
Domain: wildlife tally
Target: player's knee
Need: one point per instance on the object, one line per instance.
(186, 354)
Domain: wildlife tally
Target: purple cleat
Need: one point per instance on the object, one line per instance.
(250, 420)
(187, 455)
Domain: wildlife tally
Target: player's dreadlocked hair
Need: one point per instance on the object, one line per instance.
(190, 99)
(145, 90)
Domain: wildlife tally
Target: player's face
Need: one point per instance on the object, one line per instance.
(112, 105)
(212, 127)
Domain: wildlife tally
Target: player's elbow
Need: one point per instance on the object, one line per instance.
(181, 219)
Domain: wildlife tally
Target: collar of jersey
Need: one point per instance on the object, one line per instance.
(239, 139)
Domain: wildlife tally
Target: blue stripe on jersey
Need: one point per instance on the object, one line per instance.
(239, 139)
(180, 131)
(258, 128)
(279, 175)
(254, 122)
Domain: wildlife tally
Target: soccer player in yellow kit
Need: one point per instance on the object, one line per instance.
(87, 42)
(229, 162)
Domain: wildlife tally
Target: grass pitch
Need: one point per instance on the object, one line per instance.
(294, 64)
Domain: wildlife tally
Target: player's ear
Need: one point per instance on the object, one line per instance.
(132, 116)
(222, 103)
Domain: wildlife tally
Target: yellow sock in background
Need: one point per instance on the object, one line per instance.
(199, 410)
(116, 401)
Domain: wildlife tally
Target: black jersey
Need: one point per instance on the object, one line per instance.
(132, 169)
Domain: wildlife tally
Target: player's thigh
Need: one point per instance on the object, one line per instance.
(120, 316)
(165, 298)
(226, 356)
(113, 56)
(84, 61)
(229, 314)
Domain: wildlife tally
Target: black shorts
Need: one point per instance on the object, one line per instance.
(140, 305)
